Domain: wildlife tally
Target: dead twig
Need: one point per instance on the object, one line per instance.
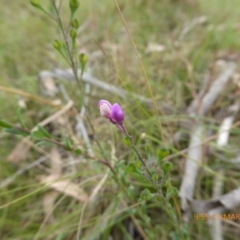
(193, 160)
(88, 78)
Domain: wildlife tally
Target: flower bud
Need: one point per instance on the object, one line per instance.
(35, 3)
(75, 23)
(74, 4)
(73, 34)
(117, 114)
(57, 44)
(83, 60)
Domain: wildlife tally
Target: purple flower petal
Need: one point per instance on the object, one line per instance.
(117, 114)
(105, 109)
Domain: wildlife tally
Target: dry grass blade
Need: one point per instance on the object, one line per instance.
(20, 151)
(56, 163)
(48, 205)
(27, 95)
(64, 186)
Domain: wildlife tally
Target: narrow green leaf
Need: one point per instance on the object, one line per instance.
(5, 124)
(44, 143)
(37, 4)
(122, 176)
(77, 151)
(131, 168)
(161, 154)
(52, 10)
(37, 135)
(127, 142)
(155, 177)
(16, 132)
(67, 144)
(131, 190)
(19, 115)
(167, 167)
(147, 147)
(172, 191)
(44, 131)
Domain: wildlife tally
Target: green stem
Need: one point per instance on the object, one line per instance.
(133, 146)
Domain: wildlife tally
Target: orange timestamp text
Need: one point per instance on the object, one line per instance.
(206, 217)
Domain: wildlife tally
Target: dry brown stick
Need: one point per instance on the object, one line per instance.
(88, 78)
(56, 115)
(27, 95)
(193, 160)
(215, 225)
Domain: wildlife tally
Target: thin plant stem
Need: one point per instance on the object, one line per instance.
(72, 63)
(133, 146)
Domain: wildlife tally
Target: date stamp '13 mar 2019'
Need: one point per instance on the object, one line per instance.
(206, 217)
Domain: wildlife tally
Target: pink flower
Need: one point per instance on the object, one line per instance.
(113, 113)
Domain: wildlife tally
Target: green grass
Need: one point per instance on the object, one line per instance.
(26, 49)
